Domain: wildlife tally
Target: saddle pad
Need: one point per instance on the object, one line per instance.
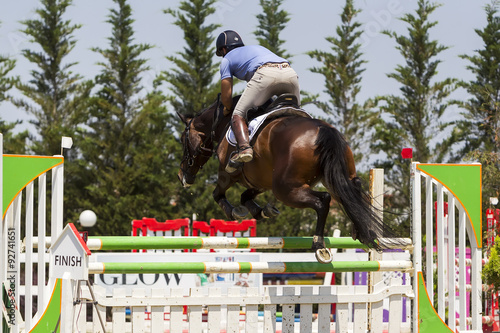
(255, 124)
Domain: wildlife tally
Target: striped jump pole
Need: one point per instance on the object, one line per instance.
(246, 267)
(171, 243)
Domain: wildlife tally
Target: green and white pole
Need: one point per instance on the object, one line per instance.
(246, 267)
(169, 243)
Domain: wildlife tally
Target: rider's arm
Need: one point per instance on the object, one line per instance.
(227, 93)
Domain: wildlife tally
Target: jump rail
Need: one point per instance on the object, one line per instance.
(125, 243)
(248, 267)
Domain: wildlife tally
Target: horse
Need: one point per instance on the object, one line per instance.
(292, 154)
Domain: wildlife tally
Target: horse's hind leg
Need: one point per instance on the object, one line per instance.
(258, 213)
(323, 255)
(305, 197)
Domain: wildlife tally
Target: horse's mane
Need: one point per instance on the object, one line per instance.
(210, 107)
(199, 113)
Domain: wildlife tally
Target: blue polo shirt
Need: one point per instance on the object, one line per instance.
(243, 61)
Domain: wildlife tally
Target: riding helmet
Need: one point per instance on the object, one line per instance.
(229, 39)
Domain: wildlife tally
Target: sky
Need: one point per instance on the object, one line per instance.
(310, 23)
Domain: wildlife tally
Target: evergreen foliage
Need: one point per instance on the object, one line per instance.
(491, 271)
(126, 162)
(6, 82)
(192, 79)
(271, 23)
(57, 98)
(413, 118)
(12, 143)
(342, 70)
(480, 128)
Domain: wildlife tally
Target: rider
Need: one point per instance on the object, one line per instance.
(266, 75)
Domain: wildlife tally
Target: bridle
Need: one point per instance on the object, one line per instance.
(203, 149)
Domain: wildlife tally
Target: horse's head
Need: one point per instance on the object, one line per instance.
(197, 144)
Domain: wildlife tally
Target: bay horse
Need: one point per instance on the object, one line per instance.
(291, 155)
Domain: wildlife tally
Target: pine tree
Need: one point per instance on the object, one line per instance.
(12, 143)
(342, 69)
(413, 118)
(6, 82)
(57, 96)
(126, 162)
(272, 21)
(192, 80)
(481, 127)
(193, 88)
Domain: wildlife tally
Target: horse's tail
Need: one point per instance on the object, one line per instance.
(332, 149)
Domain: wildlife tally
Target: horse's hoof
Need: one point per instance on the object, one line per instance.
(324, 256)
(240, 212)
(269, 211)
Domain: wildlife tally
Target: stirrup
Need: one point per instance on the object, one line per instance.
(233, 166)
(240, 156)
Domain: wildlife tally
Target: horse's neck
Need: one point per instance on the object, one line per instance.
(206, 121)
(221, 128)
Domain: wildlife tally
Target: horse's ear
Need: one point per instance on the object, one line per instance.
(184, 119)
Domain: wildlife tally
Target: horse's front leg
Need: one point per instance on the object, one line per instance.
(224, 181)
(258, 213)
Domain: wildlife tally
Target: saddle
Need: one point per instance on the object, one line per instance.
(283, 100)
(283, 105)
